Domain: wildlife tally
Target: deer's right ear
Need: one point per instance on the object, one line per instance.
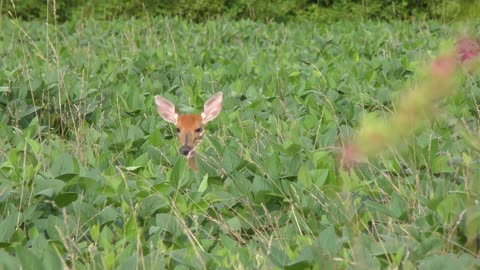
(212, 107)
(166, 109)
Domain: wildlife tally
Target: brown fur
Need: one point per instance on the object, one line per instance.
(187, 124)
(190, 127)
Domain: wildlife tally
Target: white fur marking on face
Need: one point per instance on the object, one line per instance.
(191, 153)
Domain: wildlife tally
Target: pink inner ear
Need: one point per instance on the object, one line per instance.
(166, 109)
(212, 107)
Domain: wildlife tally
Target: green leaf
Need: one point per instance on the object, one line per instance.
(150, 205)
(8, 225)
(64, 164)
(56, 229)
(398, 205)
(304, 177)
(167, 222)
(162, 187)
(472, 223)
(130, 228)
(8, 262)
(303, 260)
(155, 138)
(133, 168)
(108, 214)
(279, 257)
(293, 149)
(46, 192)
(65, 198)
(231, 159)
(5, 192)
(204, 184)
(294, 74)
(328, 241)
(319, 176)
(272, 166)
(234, 224)
(448, 261)
(449, 208)
(95, 232)
(106, 238)
(176, 176)
(52, 260)
(66, 177)
(34, 145)
(442, 164)
(28, 259)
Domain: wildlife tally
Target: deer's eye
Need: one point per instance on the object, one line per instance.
(198, 130)
(178, 130)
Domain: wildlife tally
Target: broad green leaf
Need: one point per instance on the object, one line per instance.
(448, 261)
(51, 259)
(150, 205)
(8, 261)
(328, 241)
(95, 232)
(8, 224)
(34, 145)
(304, 177)
(472, 223)
(176, 175)
(108, 214)
(234, 224)
(133, 168)
(319, 176)
(28, 259)
(167, 222)
(293, 149)
(155, 138)
(46, 192)
(279, 257)
(66, 177)
(56, 228)
(128, 263)
(106, 238)
(398, 205)
(294, 74)
(442, 164)
(272, 166)
(204, 184)
(5, 192)
(231, 159)
(65, 198)
(63, 164)
(130, 228)
(449, 208)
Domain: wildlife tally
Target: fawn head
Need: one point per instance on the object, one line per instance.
(190, 127)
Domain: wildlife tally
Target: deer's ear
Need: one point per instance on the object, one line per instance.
(166, 109)
(212, 107)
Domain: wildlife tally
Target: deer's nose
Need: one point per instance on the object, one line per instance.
(184, 150)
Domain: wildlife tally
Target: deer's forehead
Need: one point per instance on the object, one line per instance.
(189, 121)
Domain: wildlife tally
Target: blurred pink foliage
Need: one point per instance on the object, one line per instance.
(467, 49)
(439, 82)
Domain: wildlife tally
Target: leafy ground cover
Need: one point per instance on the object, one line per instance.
(91, 178)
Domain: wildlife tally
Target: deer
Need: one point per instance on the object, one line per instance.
(190, 127)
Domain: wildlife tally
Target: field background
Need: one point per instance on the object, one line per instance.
(91, 178)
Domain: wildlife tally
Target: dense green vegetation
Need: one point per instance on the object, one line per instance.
(264, 10)
(91, 178)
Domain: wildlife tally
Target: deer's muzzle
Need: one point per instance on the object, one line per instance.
(185, 150)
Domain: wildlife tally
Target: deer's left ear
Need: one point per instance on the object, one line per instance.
(212, 107)
(166, 109)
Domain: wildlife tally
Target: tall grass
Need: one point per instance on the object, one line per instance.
(91, 177)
